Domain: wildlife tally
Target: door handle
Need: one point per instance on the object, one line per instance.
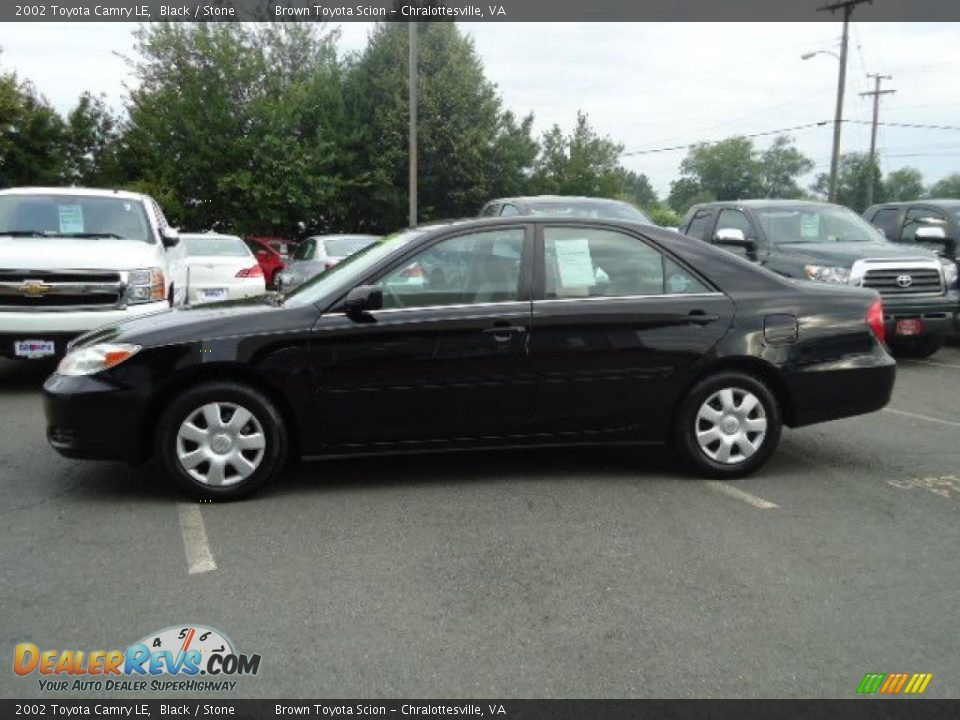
(699, 317)
(502, 333)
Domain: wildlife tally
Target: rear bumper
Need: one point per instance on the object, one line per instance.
(94, 419)
(841, 388)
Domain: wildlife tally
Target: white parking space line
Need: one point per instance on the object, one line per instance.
(931, 362)
(915, 416)
(199, 557)
(741, 495)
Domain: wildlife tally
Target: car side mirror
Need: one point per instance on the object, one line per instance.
(170, 237)
(362, 299)
(937, 234)
(931, 233)
(734, 237)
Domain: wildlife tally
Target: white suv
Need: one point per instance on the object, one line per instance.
(74, 259)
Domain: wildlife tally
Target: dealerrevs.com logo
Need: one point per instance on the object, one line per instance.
(189, 658)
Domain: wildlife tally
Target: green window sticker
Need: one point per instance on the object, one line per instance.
(71, 219)
(810, 225)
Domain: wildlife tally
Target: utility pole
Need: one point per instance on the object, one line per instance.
(847, 6)
(876, 93)
(412, 27)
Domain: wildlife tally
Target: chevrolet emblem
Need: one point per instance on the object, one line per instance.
(34, 288)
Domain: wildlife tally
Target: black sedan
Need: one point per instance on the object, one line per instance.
(494, 332)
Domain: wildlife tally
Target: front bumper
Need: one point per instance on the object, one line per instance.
(938, 314)
(92, 418)
(63, 326)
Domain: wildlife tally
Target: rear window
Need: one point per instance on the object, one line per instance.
(87, 216)
(203, 246)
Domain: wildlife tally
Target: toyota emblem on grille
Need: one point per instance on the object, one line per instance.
(34, 288)
(904, 281)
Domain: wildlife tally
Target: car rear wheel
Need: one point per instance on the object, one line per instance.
(728, 425)
(222, 440)
(922, 347)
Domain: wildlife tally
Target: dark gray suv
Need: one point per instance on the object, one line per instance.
(829, 243)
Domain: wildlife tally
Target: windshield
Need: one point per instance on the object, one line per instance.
(214, 246)
(51, 215)
(816, 224)
(344, 245)
(350, 270)
(587, 209)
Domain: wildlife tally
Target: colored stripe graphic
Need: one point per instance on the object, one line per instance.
(894, 683)
(871, 683)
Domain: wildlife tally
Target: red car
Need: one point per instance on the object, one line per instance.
(270, 260)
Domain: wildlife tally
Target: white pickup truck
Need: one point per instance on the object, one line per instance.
(75, 259)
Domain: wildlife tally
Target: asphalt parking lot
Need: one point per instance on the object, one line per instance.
(543, 573)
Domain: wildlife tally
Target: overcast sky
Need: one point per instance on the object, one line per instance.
(646, 85)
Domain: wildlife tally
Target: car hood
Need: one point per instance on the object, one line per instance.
(845, 254)
(307, 267)
(37, 253)
(192, 324)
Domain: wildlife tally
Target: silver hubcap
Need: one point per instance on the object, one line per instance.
(220, 444)
(731, 425)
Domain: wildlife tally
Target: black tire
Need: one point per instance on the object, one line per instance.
(266, 423)
(919, 348)
(686, 425)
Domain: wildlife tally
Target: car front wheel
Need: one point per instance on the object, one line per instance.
(728, 425)
(222, 441)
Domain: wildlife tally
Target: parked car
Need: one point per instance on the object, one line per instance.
(831, 244)
(221, 267)
(932, 224)
(531, 345)
(73, 259)
(319, 253)
(565, 206)
(271, 261)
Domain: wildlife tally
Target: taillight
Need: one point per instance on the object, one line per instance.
(255, 271)
(414, 271)
(875, 320)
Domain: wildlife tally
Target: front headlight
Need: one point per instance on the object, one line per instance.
(96, 358)
(147, 285)
(827, 274)
(949, 272)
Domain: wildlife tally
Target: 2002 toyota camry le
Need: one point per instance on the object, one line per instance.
(484, 333)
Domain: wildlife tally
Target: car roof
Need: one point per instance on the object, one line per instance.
(557, 199)
(76, 191)
(765, 202)
(210, 236)
(943, 202)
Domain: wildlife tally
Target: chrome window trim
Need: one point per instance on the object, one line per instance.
(629, 297)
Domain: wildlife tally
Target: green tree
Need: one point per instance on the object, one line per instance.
(583, 163)
(238, 127)
(728, 170)
(90, 134)
(469, 148)
(903, 184)
(685, 192)
(781, 167)
(637, 189)
(31, 136)
(852, 181)
(948, 187)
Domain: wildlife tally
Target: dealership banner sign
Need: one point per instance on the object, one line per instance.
(466, 11)
(517, 709)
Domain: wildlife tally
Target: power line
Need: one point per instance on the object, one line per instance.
(779, 131)
(751, 135)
